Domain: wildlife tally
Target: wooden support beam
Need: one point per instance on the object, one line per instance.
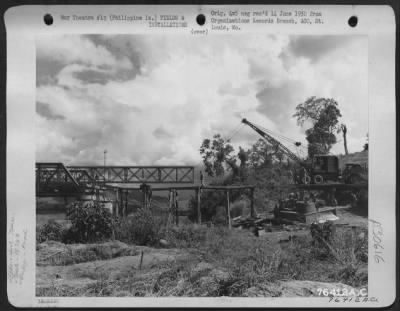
(171, 200)
(228, 207)
(176, 207)
(126, 203)
(146, 192)
(198, 204)
(116, 202)
(144, 196)
(121, 204)
(171, 207)
(222, 188)
(252, 202)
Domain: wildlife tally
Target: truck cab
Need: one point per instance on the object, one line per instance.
(324, 168)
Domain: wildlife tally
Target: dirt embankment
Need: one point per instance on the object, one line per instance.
(122, 277)
(117, 269)
(76, 268)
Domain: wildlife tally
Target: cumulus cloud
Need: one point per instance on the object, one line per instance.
(153, 99)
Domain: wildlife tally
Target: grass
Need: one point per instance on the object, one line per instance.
(59, 254)
(226, 262)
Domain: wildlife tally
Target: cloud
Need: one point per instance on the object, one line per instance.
(91, 63)
(73, 48)
(161, 133)
(45, 111)
(47, 70)
(276, 100)
(153, 99)
(315, 47)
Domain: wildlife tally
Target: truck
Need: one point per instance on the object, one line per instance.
(321, 168)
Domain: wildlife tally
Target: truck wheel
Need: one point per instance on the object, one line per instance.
(307, 179)
(318, 179)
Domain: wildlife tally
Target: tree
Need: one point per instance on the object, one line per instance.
(217, 155)
(319, 141)
(260, 154)
(323, 114)
(313, 108)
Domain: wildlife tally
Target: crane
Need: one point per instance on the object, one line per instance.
(274, 142)
(321, 171)
(317, 170)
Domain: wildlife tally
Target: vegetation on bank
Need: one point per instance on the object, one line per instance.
(234, 261)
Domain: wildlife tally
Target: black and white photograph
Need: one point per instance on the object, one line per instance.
(229, 166)
(241, 155)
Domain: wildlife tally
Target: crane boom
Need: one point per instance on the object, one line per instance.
(273, 141)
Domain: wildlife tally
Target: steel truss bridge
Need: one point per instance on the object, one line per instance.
(56, 179)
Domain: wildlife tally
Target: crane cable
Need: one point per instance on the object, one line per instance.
(283, 138)
(280, 136)
(232, 131)
(291, 142)
(235, 132)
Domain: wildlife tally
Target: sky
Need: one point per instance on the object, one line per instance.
(151, 100)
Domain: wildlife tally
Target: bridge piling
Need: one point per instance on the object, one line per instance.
(198, 204)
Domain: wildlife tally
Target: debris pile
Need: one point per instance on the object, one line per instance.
(267, 224)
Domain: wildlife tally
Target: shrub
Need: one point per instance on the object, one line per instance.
(221, 217)
(51, 230)
(91, 222)
(141, 228)
(186, 236)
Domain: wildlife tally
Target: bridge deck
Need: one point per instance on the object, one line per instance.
(329, 186)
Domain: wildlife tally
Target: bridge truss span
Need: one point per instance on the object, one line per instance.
(58, 179)
(136, 174)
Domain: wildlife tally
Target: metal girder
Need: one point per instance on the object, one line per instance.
(55, 178)
(52, 174)
(136, 174)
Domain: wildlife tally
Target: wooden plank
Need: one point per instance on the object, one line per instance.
(330, 209)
